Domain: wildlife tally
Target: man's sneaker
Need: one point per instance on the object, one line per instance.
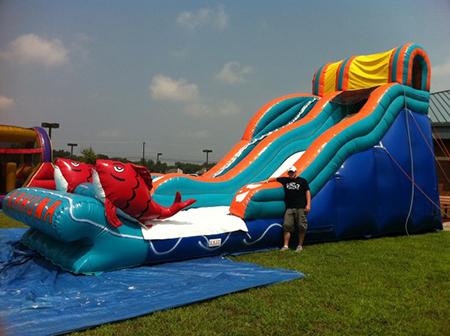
(284, 248)
(299, 249)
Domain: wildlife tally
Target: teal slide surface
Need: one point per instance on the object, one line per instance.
(276, 140)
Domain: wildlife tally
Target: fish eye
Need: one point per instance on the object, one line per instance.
(119, 169)
(75, 164)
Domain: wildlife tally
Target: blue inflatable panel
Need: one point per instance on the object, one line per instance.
(38, 298)
(262, 234)
(370, 195)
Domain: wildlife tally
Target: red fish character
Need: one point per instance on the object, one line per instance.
(69, 174)
(126, 186)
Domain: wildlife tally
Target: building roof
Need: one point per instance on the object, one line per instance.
(439, 111)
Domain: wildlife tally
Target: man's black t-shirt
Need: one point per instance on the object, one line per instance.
(294, 191)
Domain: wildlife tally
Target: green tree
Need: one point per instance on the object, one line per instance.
(102, 157)
(124, 160)
(88, 156)
(160, 167)
(188, 168)
(63, 154)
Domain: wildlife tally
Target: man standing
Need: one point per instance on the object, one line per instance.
(297, 199)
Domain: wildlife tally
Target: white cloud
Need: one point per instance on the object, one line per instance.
(111, 134)
(198, 109)
(227, 108)
(188, 97)
(233, 73)
(166, 88)
(217, 18)
(203, 134)
(180, 53)
(441, 70)
(440, 77)
(79, 46)
(31, 48)
(5, 103)
(218, 108)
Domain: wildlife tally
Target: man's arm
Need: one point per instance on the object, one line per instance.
(270, 179)
(308, 201)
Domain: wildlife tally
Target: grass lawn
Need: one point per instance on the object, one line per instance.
(8, 223)
(385, 286)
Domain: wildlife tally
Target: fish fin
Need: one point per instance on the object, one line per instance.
(177, 206)
(110, 211)
(145, 174)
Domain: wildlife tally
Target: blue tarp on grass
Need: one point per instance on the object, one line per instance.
(38, 298)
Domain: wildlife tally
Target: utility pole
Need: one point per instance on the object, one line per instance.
(143, 153)
(71, 148)
(50, 126)
(207, 151)
(157, 161)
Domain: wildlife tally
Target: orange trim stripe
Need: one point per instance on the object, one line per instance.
(238, 208)
(241, 144)
(346, 72)
(314, 81)
(316, 147)
(322, 79)
(260, 147)
(338, 71)
(401, 63)
(261, 113)
(391, 62)
(410, 67)
(249, 131)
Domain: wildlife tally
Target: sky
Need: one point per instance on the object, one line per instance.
(184, 76)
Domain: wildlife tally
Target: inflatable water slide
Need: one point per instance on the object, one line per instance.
(359, 104)
(26, 159)
(362, 140)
